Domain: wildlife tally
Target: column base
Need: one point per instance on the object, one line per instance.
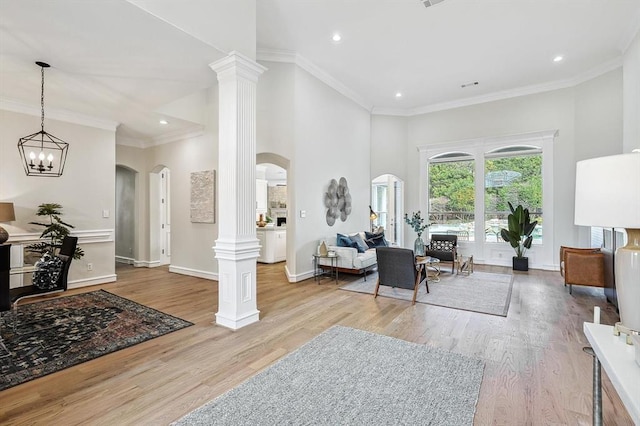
(239, 322)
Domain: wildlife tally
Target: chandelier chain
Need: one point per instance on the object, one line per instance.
(42, 100)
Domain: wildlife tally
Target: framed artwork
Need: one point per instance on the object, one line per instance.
(203, 197)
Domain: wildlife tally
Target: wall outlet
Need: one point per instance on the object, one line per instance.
(89, 266)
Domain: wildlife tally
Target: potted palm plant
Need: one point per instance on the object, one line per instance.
(54, 231)
(519, 235)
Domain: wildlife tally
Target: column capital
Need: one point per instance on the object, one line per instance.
(237, 64)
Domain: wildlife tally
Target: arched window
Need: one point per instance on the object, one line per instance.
(466, 187)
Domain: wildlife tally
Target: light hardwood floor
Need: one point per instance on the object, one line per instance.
(536, 372)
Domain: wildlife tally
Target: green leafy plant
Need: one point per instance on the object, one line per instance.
(416, 222)
(520, 229)
(54, 231)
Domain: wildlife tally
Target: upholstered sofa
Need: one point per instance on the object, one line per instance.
(350, 259)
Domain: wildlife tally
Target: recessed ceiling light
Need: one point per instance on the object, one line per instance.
(164, 122)
(336, 37)
(558, 58)
(398, 94)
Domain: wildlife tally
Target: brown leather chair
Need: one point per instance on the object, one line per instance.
(580, 266)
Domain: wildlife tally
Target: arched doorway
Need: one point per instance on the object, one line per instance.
(274, 200)
(387, 201)
(126, 215)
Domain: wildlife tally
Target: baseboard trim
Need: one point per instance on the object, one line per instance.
(194, 272)
(297, 278)
(146, 263)
(86, 282)
(125, 260)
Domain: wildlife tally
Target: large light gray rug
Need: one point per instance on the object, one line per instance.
(352, 377)
(483, 292)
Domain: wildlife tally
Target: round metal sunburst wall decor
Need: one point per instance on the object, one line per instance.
(337, 200)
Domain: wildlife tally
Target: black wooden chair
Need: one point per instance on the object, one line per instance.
(444, 247)
(67, 250)
(397, 268)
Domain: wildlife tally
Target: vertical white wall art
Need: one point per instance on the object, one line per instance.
(203, 197)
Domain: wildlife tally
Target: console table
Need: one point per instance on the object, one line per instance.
(618, 360)
(5, 265)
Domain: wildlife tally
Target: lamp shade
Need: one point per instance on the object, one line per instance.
(7, 214)
(372, 215)
(608, 191)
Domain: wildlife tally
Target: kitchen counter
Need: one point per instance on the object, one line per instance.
(273, 242)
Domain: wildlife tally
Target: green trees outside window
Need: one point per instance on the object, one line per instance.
(516, 180)
(511, 175)
(452, 196)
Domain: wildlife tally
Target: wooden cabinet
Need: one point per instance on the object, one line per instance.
(273, 242)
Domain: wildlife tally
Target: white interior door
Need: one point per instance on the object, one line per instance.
(165, 217)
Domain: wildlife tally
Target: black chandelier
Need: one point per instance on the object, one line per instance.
(42, 153)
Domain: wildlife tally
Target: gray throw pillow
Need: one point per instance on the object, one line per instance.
(361, 246)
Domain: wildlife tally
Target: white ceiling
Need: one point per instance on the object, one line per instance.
(114, 61)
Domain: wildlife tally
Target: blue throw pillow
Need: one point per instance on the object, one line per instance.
(376, 240)
(345, 241)
(361, 246)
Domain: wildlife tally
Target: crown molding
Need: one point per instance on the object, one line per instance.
(286, 56)
(58, 114)
(276, 55)
(178, 135)
(132, 142)
(188, 133)
(630, 34)
(505, 94)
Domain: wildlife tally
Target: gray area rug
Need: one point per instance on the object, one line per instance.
(352, 377)
(483, 292)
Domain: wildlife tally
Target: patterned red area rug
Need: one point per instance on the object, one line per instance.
(59, 333)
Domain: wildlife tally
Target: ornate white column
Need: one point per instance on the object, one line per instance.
(237, 247)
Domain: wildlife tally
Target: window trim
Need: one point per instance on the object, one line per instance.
(488, 252)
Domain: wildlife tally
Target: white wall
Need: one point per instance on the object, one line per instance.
(191, 243)
(324, 136)
(332, 140)
(86, 188)
(588, 118)
(631, 85)
(389, 146)
(598, 116)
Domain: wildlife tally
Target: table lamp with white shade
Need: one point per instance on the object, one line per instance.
(7, 214)
(608, 196)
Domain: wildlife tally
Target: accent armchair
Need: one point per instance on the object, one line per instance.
(582, 266)
(444, 247)
(397, 268)
(59, 283)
